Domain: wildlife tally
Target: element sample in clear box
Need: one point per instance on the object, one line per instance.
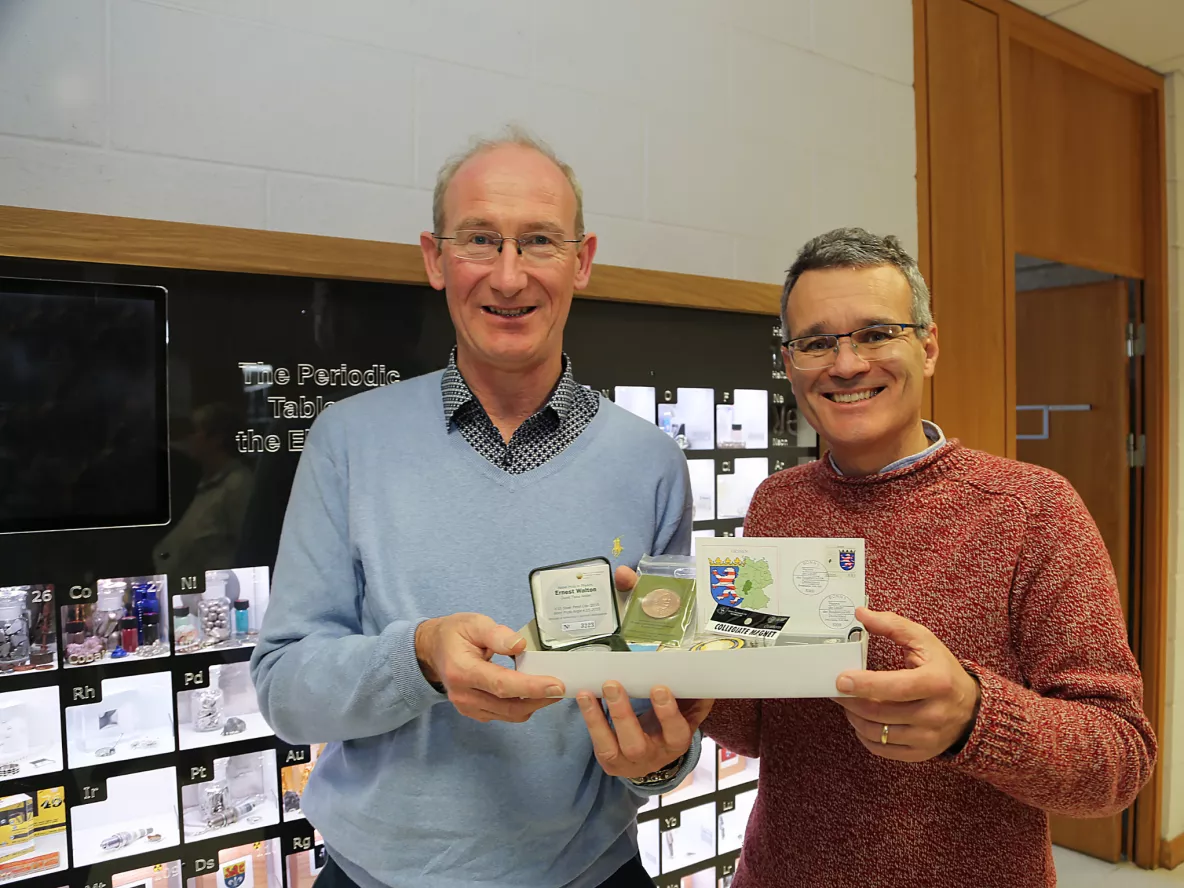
(227, 615)
(127, 621)
(736, 490)
(732, 824)
(158, 875)
(692, 841)
(304, 866)
(134, 719)
(253, 865)
(294, 779)
(30, 733)
(139, 814)
(32, 833)
(224, 711)
(28, 629)
(241, 794)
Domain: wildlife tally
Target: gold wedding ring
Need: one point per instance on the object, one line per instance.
(884, 735)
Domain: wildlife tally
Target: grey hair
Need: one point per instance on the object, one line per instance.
(511, 135)
(856, 248)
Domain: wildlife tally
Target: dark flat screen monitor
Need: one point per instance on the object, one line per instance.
(83, 406)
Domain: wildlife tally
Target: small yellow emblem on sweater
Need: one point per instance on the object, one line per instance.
(617, 550)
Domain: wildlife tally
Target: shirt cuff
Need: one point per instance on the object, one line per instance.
(690, 761)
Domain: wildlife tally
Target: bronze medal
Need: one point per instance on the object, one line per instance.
(661, 603)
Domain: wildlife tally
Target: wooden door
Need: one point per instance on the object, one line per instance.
(1071, 353)
(968, 264)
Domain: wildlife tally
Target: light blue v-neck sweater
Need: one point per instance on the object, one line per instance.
(392, 520)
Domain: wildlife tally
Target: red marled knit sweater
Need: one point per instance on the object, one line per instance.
(1003, 563)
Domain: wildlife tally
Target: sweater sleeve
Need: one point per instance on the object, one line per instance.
(674, 510)
(736, 725)
(317, 676)
(1073, 738)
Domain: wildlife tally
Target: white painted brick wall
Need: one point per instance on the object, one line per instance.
(711, 136)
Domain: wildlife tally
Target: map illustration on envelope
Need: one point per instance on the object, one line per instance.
(777, 589)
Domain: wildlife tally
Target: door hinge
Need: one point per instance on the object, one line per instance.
(1136, 451)
(1136, 340)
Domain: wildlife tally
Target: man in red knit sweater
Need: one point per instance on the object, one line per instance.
(1000, 683)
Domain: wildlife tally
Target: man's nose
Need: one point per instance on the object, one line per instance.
(848, 361)
(509, 275)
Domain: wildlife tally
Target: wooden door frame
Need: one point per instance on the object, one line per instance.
(1149, 602)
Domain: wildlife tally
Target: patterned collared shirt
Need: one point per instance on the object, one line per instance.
(539, 439)
(933, 433)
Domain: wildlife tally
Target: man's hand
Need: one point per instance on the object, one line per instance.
(927, 707)
(455, 651)
(640, 746)
(625, 578)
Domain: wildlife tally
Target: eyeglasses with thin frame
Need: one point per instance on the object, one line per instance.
(478, 245)
(820, 351)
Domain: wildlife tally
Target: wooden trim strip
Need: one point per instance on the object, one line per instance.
(1172, 852)
(921, 99)
(1010, 336)
(1071, 48)
(83, 237)
(1153, 622)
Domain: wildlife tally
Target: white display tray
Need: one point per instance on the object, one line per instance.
(808, 670)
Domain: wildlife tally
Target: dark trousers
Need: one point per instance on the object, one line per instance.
(631, 875)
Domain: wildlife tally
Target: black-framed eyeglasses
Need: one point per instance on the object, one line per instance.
(479, 245)
(820, 351)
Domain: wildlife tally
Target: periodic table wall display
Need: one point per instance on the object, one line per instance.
(132, 750)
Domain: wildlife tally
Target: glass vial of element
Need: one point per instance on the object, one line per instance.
(242, 617)
(737, 435)
(150, 630)
(207, 710)
(108, 613)
(81, 646)
(184, 629)
(129, 634)
(214, 616)
(144, 602)
(14, 629)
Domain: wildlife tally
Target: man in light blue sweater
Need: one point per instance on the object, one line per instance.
(417, 512)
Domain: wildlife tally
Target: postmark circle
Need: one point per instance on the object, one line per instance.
(837, 611)
(811, 577)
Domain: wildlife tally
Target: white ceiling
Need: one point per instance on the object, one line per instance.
(1151, 32)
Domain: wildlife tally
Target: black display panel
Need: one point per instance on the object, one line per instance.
(83, 406)
(127, 718)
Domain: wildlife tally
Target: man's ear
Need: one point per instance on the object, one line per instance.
(433, 259)
(931, 351)
(584, 258)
